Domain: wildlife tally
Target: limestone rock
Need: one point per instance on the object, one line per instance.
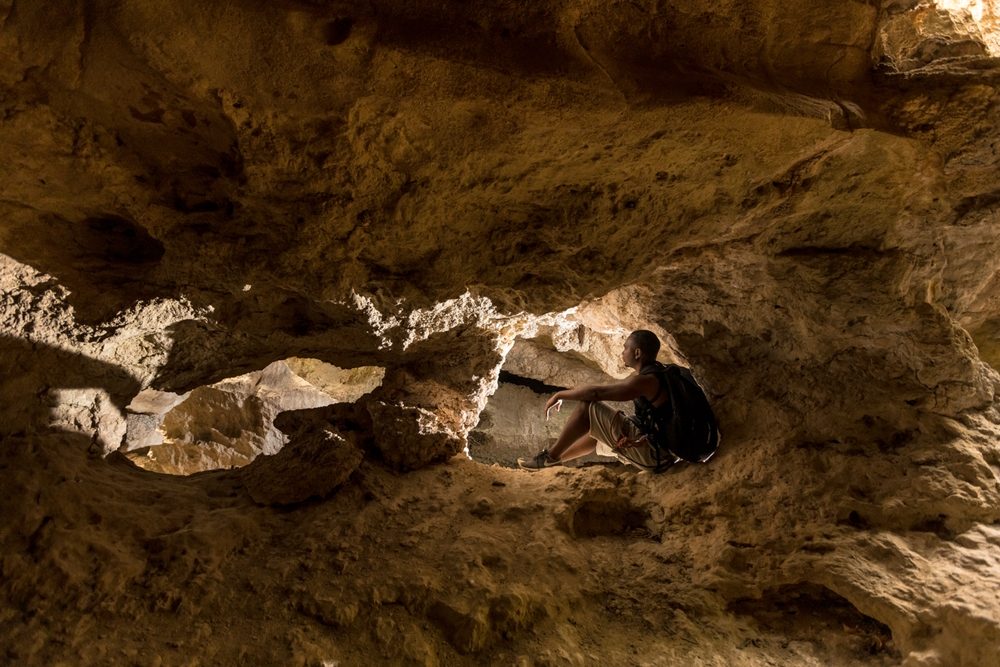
(513, 425)
(231, 422)
(410, 437)
(800, 198)
(932, 31)
(562, 367)
(308, 467)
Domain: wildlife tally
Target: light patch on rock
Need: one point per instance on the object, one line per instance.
(938, 32)
(125, 351)
(230, 423)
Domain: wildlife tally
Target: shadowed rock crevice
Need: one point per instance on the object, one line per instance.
(598, 516)
(536, 386)
(800, 613)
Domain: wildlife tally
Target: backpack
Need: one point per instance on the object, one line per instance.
(682, 429)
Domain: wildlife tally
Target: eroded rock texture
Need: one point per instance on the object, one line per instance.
(799, 197)
(228, 424)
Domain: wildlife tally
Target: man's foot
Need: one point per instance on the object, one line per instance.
(538, 461)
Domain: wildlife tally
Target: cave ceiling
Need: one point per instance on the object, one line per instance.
(537, 155)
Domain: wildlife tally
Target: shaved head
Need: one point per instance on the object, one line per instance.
(646, 342)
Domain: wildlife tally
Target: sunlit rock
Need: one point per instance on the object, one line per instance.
(410, 437)
(230, 423)
(933, 31)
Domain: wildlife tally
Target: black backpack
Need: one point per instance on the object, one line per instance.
(685, 427)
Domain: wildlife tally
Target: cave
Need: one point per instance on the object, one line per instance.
(285, 286)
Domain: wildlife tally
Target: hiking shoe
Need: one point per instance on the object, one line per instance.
(538, 461)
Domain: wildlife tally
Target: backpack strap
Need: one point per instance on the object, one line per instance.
(657, 369)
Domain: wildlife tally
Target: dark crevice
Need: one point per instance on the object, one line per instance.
(937, 525)
(337, 31)
(606, 516)
(818, 251)
(976, 203)
(805, 611)
(118, 240)
(536, 386)
(855, 519)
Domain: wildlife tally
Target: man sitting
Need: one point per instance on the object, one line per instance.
(595, 426)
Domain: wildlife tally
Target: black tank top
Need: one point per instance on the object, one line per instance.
(646, 413)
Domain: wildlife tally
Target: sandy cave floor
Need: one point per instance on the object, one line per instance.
(458, 563)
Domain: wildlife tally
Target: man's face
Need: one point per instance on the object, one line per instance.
(629, 353)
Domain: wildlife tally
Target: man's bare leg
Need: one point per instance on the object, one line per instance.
(574, 441)
(583, 446)
(576, 429)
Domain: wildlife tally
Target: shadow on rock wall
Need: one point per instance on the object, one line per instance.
(256, 334)
(106, 262)
(45, 386)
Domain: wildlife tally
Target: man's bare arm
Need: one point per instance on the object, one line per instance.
(626, 390)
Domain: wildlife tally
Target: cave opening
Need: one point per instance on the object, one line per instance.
(513, 424)
(229, 423)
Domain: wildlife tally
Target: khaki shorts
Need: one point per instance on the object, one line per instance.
(608, 425)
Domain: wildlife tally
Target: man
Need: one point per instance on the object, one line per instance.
(594, 423)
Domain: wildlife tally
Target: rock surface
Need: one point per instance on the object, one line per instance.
(513, 426)
(307, 467)
(228, 424)
(799, 197)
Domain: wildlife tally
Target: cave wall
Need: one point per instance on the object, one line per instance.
(800, 197)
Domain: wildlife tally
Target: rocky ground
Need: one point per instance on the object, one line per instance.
(452, 564)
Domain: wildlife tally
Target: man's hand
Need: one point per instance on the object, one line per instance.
(553, 402)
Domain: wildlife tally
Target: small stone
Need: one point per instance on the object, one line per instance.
(482, 508)
(310, 466)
